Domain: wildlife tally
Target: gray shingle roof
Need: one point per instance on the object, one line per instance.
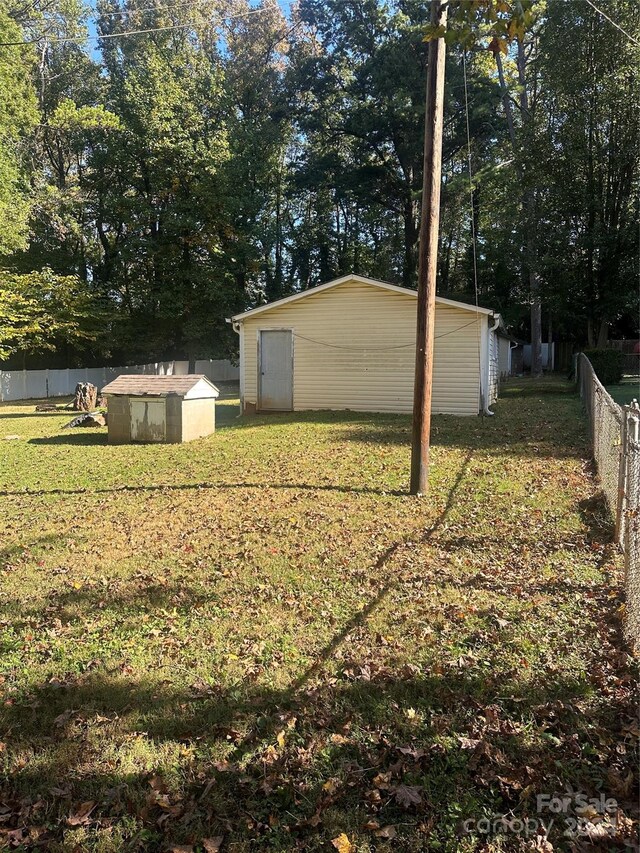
(156, 386)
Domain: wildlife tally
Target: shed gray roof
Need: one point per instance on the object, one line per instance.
(157, 386)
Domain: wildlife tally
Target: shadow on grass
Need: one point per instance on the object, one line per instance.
(58, 413)
(597, 518)
(517, 428)
(291, 768)
(171, 487)
(9, 553)
(80, 436)
(288, 769)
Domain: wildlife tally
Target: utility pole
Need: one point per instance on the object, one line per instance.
(428, 255)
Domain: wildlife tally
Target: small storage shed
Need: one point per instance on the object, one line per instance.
(350, 344)
(169, 409)
(510, 354)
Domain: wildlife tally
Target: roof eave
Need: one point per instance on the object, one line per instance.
(383, 285)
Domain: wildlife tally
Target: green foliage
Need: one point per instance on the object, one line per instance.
(41, 310)
(67, 117)
(586, 162)
(470, 22)
(18, 117)
(607, 364)
(188, 173)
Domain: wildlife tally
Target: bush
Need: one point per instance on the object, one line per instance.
(607, 364)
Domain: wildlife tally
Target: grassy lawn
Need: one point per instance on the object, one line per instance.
(260, 637)
(625, 392)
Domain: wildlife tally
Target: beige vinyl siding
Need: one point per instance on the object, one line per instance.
(354, 348)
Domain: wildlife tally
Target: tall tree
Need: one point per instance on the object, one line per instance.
(587, 148)
(18, 120)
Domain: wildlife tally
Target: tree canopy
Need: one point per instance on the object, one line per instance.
(197, 159)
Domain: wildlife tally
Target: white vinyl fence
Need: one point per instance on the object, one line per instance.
(615, 440)
(30, 384)
(547, 354)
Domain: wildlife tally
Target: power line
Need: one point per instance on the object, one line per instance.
(153, 8)
(611, 21)
(378, 349)
(66, 39)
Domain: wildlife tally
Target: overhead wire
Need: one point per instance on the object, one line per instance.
(611, 21)
(193, 4)
(65, 39)
(376, 349)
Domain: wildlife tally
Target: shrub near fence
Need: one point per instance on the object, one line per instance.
(34, 384)
(615, 441)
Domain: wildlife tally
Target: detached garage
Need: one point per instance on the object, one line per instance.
(169, 409)
(350, 344)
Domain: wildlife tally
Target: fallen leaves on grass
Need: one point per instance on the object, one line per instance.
(481, 653)
(342, 843)
(82, 814)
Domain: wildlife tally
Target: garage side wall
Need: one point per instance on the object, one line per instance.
(198, 418)
(354, 348)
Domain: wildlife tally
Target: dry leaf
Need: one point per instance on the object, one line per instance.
(281, 738)
(82, 814)
(382, 781)
(342, 844)
(212, 845)
(408, 795)
(467, 742)
(386, 832)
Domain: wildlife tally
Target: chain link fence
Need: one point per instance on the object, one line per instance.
(615, 439)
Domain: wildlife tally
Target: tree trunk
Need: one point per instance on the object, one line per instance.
(603, 335)
(86, 397)
(410, 265)
(528, 207)
(530, 226)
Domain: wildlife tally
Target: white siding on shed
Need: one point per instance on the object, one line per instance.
(504, 356)
(354, 348)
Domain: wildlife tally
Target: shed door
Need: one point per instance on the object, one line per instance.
(276, 370)
(148, 420)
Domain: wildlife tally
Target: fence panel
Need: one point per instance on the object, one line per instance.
(35, 384)
(615, 441)
(632, 525)
(218, 370)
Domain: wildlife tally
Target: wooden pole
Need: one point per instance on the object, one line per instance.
(428, 256)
